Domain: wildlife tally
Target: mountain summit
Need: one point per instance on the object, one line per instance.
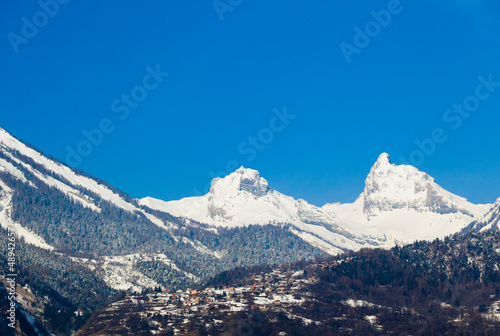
(399, 204)
(406, 204)
(244, 198)
(389, 187)
(242, 180)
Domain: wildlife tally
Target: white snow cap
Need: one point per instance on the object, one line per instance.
(249, 174)
(242, 180)
(383, 159)
(389, 186)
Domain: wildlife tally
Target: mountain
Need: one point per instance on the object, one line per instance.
(66, 224)
(244, 197)
(399, 205)
(24, 166)
(443, 287)
(488, 221)
(406, 205)
(80, 240)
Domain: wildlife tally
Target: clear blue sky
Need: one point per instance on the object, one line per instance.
(225, 78)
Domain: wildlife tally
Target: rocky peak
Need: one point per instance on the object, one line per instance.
(389, 186)
(243, 179)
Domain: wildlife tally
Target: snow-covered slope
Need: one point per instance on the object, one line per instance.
(18, 160)
(399, 203)
(7, 223)
(406, 205)
(9, 144)
(121, 273)
(245, 197)
(489, 220)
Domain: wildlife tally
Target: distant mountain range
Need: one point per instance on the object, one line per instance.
(70, 220)
(399, 205)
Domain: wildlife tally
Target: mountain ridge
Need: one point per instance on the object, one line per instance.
(68, 220)
(244, 198)
(393, 194)
(407, 205)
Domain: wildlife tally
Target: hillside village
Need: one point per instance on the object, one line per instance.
(402, 291)
(184, 310)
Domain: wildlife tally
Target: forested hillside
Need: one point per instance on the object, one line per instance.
(444, 287)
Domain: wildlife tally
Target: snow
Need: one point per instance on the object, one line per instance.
(405, 205)
(445, 305)
(164, 259)
(7, 222)
(490, 219)
(359, 303)
(32, 321)
(288, 298)
(8, 144)
(372, 319)
(8, 167)
(72, 193)
(155, 220)
(202, 248)
(120, 273)
(244, 197)
(317, 242)
(237, 306)
(241, 198)
(398, 205)
(493, 312)
(262, 301)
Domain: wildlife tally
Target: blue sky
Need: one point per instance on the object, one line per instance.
(178, 90)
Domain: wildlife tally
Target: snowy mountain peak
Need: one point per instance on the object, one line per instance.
(383, 160)
(245, 198)
(405, 204)
(384, 169)
(247, 171)
(242, 180)
(389, 187)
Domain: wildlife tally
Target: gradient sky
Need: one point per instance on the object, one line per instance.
(227, 76)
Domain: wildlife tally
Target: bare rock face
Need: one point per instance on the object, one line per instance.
(254, 184)
(243, 179)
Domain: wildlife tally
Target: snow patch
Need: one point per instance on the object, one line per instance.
(6, 220)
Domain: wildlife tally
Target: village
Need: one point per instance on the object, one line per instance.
(275, 291)
(267, 291)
